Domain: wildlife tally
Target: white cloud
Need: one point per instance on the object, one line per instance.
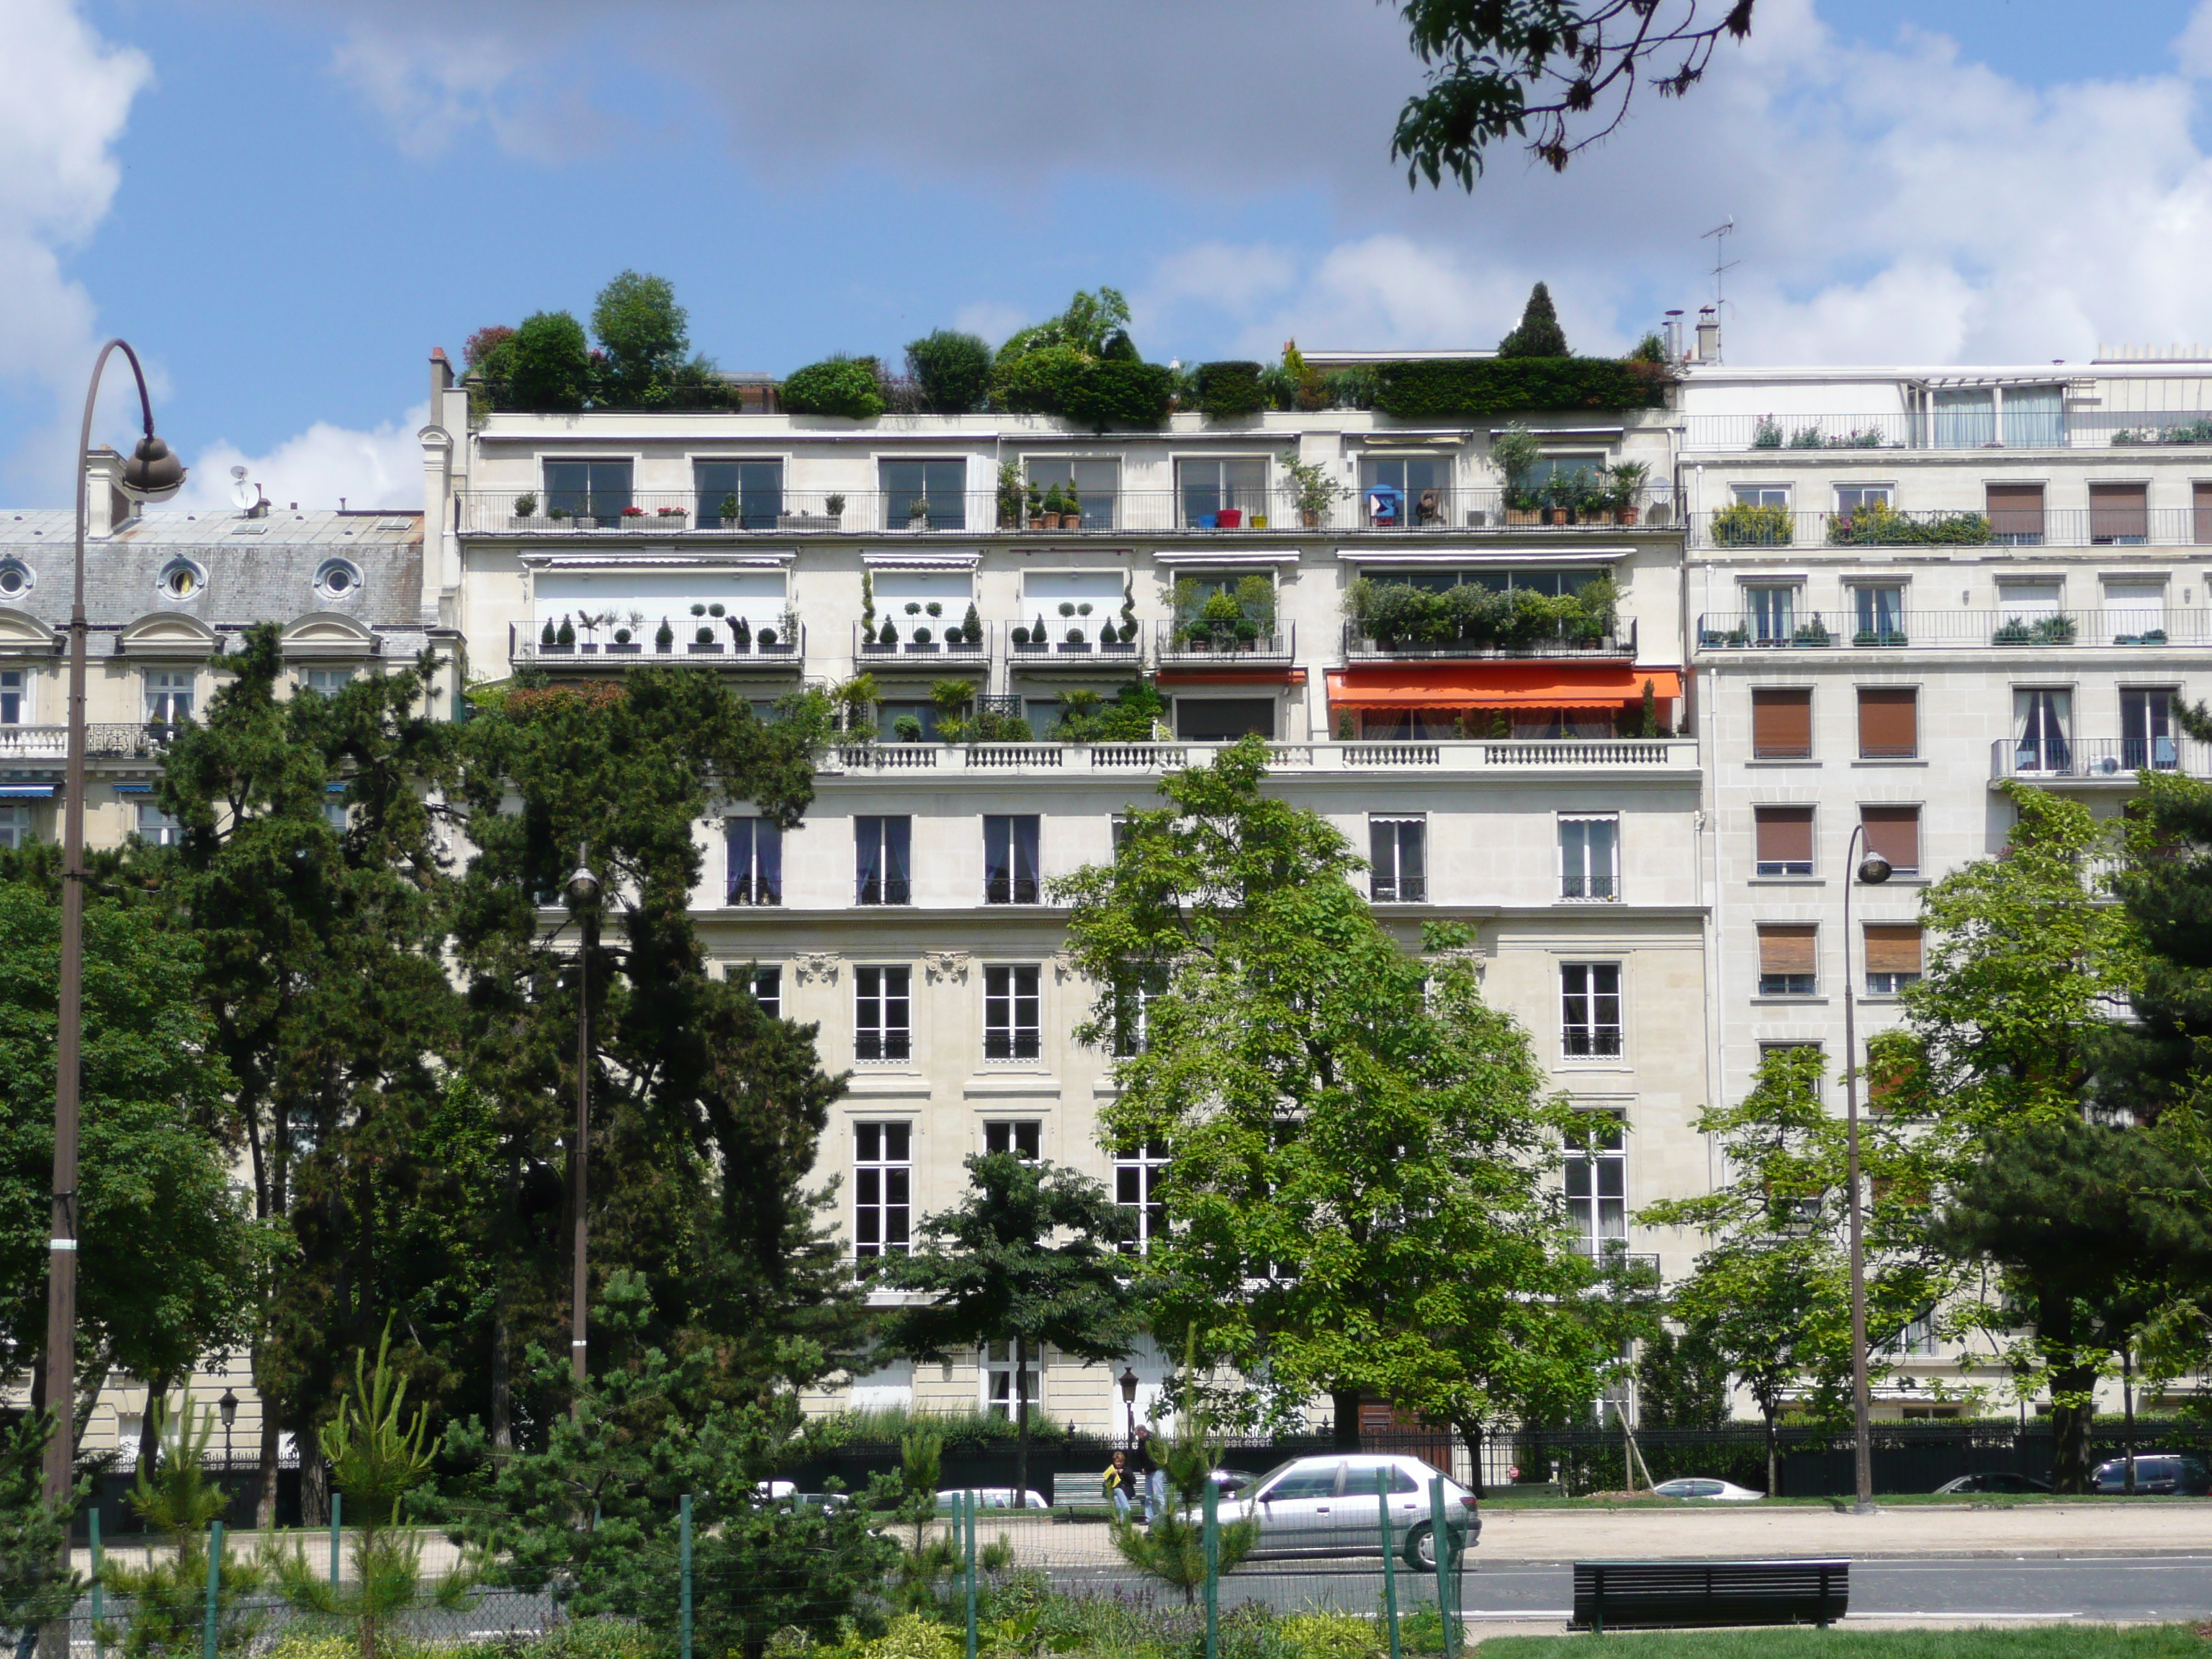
(320, 468)
(2192, 49)
(66, 95)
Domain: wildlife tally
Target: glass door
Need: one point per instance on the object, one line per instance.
(2042, 721)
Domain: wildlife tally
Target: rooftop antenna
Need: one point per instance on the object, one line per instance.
(1722, 263)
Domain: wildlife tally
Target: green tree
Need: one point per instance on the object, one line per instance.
(643, 336)
(168, 1593)
(1770, 1291)
(989, 1274)
(1173, 1548)
(1538, 334)
(322, 978)
(34, 1585)
(548, 362)
(1091, 322)
(1569, 67)
(953, 369)
(1682, 1380)
(167, 1255)
(1359, 1192)
(2077, 1211)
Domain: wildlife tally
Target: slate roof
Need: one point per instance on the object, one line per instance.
(258, 569)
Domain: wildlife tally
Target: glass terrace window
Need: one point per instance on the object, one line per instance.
(1398, 848)
(1597, 1187)
(1221, 495)
(1138, 1171)
(756, 861)
(1095, 484)
(588, 489)
(882, 853)
(1589, 857)
(1773, 613)
(1010, 1011)
(883, 1187)
(1400, 493)
(882, 1013)
(1878, 615)
(1590, 994)
(1010, 860)
(2147, 731)
(2041, 721)
(757, 486)
(938, 488)
(1853, 498)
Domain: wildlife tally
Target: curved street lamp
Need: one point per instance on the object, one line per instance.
(152, 473)
(1873, 870)
(584, 899)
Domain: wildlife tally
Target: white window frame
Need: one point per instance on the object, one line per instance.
(1009, 975)
(994, 1370)
(1755, 495)
(1396, 887)
(893, 983)
(328, 681)
(893, 1175)
(1594, 1169)
(1591, 995)
(1586, 876)
(170, 694)
(156, 827)
(15, 825)
(1886, 493)
(1007, 1134)
(1760, 605)
(766, 988)
(1137, 1174)
(17, 684)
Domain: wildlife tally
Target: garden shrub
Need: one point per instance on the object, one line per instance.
(1484, 387)
(1745, 526)
(1228, 390)
(835, 385)
(952, 369)
(1877, 525)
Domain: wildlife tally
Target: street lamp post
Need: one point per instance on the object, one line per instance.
(228, 1405)
(151, 474)
(1128, 1381)
(583, 897)
(1873, 870)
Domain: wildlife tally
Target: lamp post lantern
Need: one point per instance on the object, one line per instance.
(228, 1405)
(583, 897)
(1128, 1381)
(152, 473)
(1873, 870)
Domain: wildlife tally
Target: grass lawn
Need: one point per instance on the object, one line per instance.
(2047, 1641)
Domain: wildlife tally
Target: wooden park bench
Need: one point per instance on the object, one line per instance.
(1081, 1494)
(1676, 1595)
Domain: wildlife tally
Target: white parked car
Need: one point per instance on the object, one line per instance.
(1713, 1491)
(992, 1498)
(1329, 1505)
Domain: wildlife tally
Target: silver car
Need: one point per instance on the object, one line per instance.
(1329, 1505)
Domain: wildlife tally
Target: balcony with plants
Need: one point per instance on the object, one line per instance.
(712, 634)
(1233, 621)
(1076, 633)
(1403, 621)
(922, 630)
(2026, 629)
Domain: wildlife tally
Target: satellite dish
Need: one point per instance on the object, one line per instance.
(244, 496)
(238, 474)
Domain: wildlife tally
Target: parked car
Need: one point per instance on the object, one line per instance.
(2013, 1483)
(1720, 1492)
(1231, 1481)
(1327, 1505)
(992, 1498)
(2155, 1472)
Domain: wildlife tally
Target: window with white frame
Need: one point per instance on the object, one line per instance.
(1773, 609)
(1878, 613)
(1590, 856)
(1398, 848)
(1138, 1172)
(14, 824)
(1761, 495)
(754, 870)
(157, 827)
(1088, 486)
(882, 1010)
(883, 849)
(336, 814)
(168, 695)
(1854, 498)
(1133, 1006)
(1916, 1338)
(1221, 495)
(999, 1378)
(14, 697)
(1597, 1184)
(883, 1187)
(767, 991)
(1590, 996)
(1009, 1010)
(1021, 1136)
(1010, 859)
(328, 681)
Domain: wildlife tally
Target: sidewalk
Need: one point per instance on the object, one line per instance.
(1751, 1530)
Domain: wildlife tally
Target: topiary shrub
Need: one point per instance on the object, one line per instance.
(835, 385)
(1227, 391)
(952, 369)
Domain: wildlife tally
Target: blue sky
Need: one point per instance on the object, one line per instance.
(286, 203)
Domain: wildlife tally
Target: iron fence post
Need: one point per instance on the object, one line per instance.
(214, 1589)
(1440, 1540)
(338, 1504)
(1213, 1542)
(98, 1601)
(685, 1551)
(968, 1503)
(1389, 1558)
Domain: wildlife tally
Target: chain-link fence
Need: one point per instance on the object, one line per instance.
(977, 1580)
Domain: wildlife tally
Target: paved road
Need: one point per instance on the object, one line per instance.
(2091, 1588)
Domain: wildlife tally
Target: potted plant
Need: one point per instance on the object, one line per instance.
(907, 728)
(622, 643)
(1311, 489)
(673, 513)
(1628, 480)
(1037, 506)
(2011, 631)
(971, 629)
(565, 635)
(917, 514)
(922, 640)
(1021, 637)
(1009, 496)
(1075, 643)
(1558, 494)
(716, 609)
(888, 637)
(589, 622)
(545, 636)
(557, 514)
(731, 516)
(1052, 507)
(703, 643)
(741, 636)
(1067, 615)
(834, 507)
(1071, 509)
(766, 641)
(632, 512)
(526, 512)
(663, 637)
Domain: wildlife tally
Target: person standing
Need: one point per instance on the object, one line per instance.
(1151, 1477)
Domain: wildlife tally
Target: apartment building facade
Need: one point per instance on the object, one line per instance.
(1488, 778)
(1906, 587)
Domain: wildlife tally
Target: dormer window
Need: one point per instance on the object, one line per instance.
(181, 580)
(15, 579)
(337, 579)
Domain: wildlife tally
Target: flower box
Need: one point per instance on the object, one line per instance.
(778, 648)
(1075, 646)
(805, 521)
(929, 646)
(629, 650)
(535, 522)
(698, 650)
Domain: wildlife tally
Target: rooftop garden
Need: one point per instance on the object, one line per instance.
(1081, 365)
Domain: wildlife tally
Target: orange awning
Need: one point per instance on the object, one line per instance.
(1499, 685)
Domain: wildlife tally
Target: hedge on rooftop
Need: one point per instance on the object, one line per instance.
(1485, 386)
(835, 385)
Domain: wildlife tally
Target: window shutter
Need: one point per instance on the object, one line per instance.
(2118, 512)
(2016, 509)
(2201, 501)
(1889, 727)
(1892, 948)
(1787, 950)
(1782, 723)
(1785, 834)
(1893, 832)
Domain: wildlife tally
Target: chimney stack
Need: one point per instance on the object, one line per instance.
(1709, 334)
(1670, 335)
